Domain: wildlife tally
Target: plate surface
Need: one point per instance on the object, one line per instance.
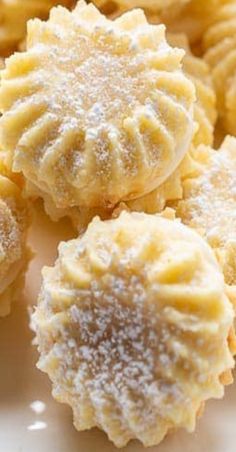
(46, 426)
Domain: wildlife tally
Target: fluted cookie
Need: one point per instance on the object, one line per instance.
(209, 203)
(133, 327)
(14, 221)
(95, 111)
(220, 53)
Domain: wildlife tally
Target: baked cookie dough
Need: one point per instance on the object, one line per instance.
(134, 327)
(199, 72)
(168, 192)
(14, 255)
(205, 115)
(95, 111)
(209, 203)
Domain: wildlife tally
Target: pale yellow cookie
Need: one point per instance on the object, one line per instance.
(134, 327)
(14, 221)
(209, 203)
(14, 15)
(220, 47)
(95, 111)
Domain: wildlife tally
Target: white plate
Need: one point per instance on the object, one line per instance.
(21, 384)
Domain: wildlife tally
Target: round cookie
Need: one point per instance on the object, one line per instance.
(134, 327)
(95, 111)
(14, 255)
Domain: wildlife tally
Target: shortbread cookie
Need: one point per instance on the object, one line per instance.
(134, 327)
(14, 220)
(220, 46)
(14, 15)
(96, 111)
(209, 203)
